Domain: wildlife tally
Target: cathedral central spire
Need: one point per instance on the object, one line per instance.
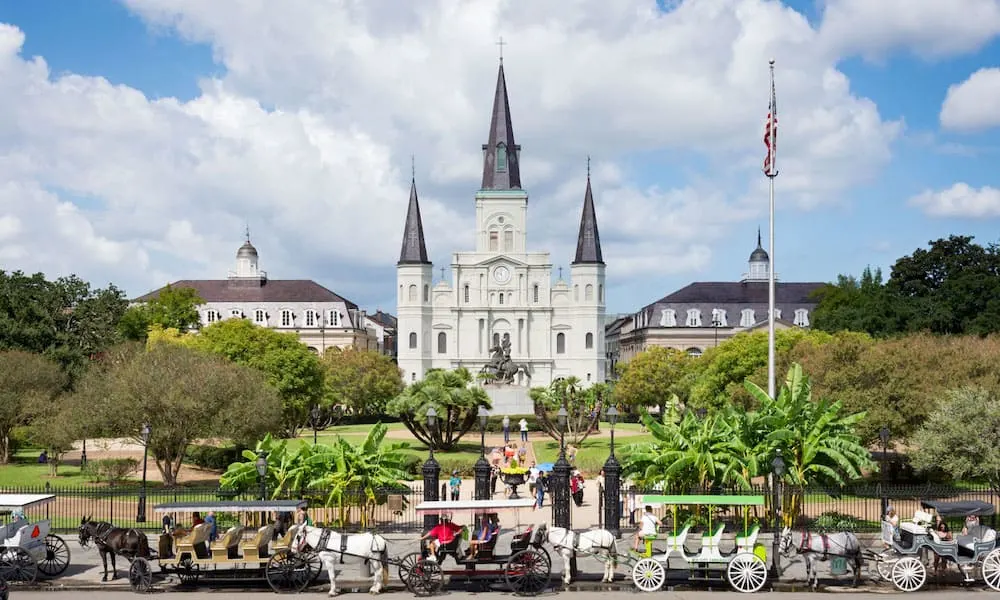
(588, 241)
(501, 155)
(414, 250)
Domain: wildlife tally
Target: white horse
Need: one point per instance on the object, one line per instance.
(817, 546)
(598, 542)
(369, 548)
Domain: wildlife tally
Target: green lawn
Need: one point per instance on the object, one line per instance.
(592, 453)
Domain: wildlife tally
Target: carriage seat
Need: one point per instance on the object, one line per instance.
(9, 530)
(286, 540)
(486, 548)
(938, 539)
(979, 538)
(255, 548)
(521, 541)
(227, 546)
(675, 543)
(196, 542)
(745, 543)
(710, 544)
(922, 518)
(29, 534)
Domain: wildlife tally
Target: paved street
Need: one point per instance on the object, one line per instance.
(949, 594)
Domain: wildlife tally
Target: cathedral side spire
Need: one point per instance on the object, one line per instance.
(501, 154)
(414, 250)
(588, 242)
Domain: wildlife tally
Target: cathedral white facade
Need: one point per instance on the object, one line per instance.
(502, 293)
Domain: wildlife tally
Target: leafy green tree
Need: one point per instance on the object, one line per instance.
(28, 382)
(288, 468)
(455, 398)
(962, 437)
(362, 380)
(290, 367)
(650, 377)
(864, 304)
(584, 407)
(172, 308)
(184, 394)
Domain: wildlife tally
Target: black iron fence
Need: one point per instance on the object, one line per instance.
(392, 510)
(857, 508)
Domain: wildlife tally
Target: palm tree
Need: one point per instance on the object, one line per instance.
(453, 396)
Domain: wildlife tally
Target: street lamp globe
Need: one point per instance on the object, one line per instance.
(612, 415)
(883, 435)
(145, 433)
(261, 464)
(778, 464)
(432, 416)
(315, 413)
(484, 417)
(561, 416)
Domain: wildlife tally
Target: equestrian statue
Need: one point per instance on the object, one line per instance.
(501, 369)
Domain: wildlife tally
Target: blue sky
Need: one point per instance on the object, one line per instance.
(196, 66)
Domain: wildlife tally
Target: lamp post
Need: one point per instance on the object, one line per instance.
(140, 516)
(482, 468)
(431, 470)
(560, 478)
(716, 323)
(262, 474)
(612, 482)
(778, 468)
(83, 454)
(314, 416)
(883, 436)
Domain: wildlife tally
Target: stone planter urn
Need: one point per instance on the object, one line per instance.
(513, 480)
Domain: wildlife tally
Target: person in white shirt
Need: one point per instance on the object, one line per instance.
(532, 477)
(524, 429)
(506, 429)
(647, 526)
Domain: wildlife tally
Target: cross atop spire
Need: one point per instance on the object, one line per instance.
(414, 250)
(501, 154)
(588, 167)
(248, 232)
(501, 44)
(413, 168)
(759, 245)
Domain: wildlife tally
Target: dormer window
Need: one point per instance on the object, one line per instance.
(668, 318)
(501, 157)
(747, 317)
(719, 318)
(801, 317)
(693, 317)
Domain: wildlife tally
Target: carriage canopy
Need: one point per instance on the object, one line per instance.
(700, 500)
(12, 502)
(963, 508)
(232, 506)
(468, 510)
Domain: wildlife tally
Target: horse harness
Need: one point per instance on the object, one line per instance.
(806, 545)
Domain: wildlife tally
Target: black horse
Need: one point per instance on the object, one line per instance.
(113, 541)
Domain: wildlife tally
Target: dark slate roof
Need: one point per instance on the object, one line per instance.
(414, 250)
(501, 131)
(263, 290)
(384, 319)
(616, 325)
(588, 242)
(750, 292)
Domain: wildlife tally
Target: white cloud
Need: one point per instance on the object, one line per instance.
(167, 186)
(960, 200)
(974, 103)
(931, 29)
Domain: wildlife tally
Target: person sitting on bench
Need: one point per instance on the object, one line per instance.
(647, 527)
(441, 534)
(487, 531)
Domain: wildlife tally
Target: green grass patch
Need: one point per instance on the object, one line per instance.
(591, 454)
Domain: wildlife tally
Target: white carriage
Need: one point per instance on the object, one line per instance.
(525, 571)
(27, 549)
(743, 566)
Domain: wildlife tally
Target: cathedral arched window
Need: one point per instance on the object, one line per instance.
(501, 157)
(576, 292)
(494, 241)
(534, 293)
(427, 293)
(401, 292)
(588, 292)
(413, 340)
(442, 343)
(496, 339)
(508, 239)
(465, 292)
(413, 293)
(589, 341)
(600, 293)
(501, 298)
(560, 343)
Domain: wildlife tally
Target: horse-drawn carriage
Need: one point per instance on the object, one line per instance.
(975, 549)
(524, 571)
(248, 546)
(27, 549)
(743, 565)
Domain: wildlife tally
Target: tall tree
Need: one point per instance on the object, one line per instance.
(184, 394)
(363, 380)
(584, 407)
(28, 382)
(649, 378)
(860, 304)
(455, 399)
(291, 368)
(172, 308)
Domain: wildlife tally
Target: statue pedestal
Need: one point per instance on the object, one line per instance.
(510, 400)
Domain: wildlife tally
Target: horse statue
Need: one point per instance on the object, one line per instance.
(113, 541)
(332, 547)
(597, 542)
(501, 368)
(820, 547)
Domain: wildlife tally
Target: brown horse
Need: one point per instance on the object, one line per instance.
(113, 541)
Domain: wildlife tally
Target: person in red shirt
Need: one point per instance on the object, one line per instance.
(442, 533)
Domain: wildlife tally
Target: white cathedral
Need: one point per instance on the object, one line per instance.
(501, 293)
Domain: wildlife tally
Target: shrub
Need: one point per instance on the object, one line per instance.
(212, 457)
(110, 470)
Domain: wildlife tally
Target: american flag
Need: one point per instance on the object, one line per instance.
(771, 124)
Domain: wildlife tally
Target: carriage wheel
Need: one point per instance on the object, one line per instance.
(527, 573)
(649, 575)
(406, 566)
(140, 576)
(56, 556)
(884, 563)
(746, 572)
(991, 569)
(188, 572)
(908, 574)
(287, 573)
(17, 565)
(424, 578)
(4, 589)
(314, 564)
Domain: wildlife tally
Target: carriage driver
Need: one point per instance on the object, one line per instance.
(441, 534)
(647, 527)
(17, 521)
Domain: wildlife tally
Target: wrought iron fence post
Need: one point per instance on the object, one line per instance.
(432, 473)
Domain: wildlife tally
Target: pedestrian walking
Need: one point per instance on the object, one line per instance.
(524, 429)
(540, 484)
(506, 429)
(494, 475)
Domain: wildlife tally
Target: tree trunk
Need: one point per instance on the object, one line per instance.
(5, 447)
(169, 469)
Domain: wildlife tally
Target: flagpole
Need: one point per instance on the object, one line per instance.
(771, 388)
